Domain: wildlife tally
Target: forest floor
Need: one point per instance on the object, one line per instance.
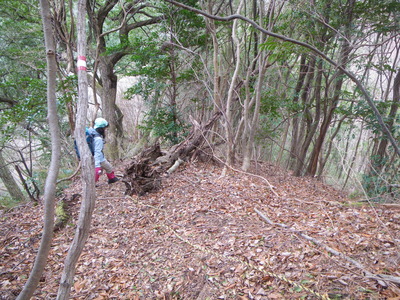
(207, 236)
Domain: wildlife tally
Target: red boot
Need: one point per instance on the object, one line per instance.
(111, 177)
(97, 174)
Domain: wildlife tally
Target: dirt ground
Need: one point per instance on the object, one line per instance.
(203, 236)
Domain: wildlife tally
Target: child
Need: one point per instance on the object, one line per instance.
(100, 161)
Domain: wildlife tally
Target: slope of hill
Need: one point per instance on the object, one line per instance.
(204, 236)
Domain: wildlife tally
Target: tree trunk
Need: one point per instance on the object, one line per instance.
(343, 60)
(252, 103)
(9, 181)
(324, 159)
(50, 185)
(108, 100)
(88, 184)
(228, 122)
(381, 152)
(173, 89)
(312, 167)
(350, 166)
(295, 121)
(309, 123)
(254, 106)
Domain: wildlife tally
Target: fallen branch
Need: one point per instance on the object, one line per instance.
(381, 278)
(72, 176)
(177, 163)
(391, 205)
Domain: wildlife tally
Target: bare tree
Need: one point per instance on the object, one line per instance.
(50, 186)
(88, 184)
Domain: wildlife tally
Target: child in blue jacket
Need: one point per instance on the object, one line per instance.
(100, 161)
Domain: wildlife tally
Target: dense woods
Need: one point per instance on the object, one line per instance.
(312, 87)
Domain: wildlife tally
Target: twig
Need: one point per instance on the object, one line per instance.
(381, 278)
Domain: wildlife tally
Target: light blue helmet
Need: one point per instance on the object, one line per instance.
(100, 123)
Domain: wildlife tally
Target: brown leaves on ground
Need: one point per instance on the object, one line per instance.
(200, 238)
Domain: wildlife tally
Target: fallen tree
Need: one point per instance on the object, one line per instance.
(144, 173)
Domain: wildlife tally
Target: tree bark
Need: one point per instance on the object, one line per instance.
(50, 185)
(108, 99)
(228, 122)
(381, 152)
(252, 103)
(309, 123)
(255, 104)
(295, 121)
(88, 184)
(9, 181)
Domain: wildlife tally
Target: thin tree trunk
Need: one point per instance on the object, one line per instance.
(283, 144)
(323, 159)
(344, 57)
(174, 88)
(228, 124)
(312, 167)
(381, 152)
(9, 181)
(295, 122)
(310, 122)
(350, 169)
(256, 104)
(88, 184)
(50, 185)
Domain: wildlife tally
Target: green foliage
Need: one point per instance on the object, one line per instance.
(29, 110)
(363, 110)
(7, 202)
(381, 183)
(271, 103)
(67, 92)
(163, 123)
(21, 68)
(146, 87)
(281, 51)
(21, 40)
(271, 112)
(381, 14)
(147, 58)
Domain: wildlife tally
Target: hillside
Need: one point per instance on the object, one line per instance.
(202, 237)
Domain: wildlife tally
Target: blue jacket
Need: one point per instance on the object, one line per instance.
(98, 144)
